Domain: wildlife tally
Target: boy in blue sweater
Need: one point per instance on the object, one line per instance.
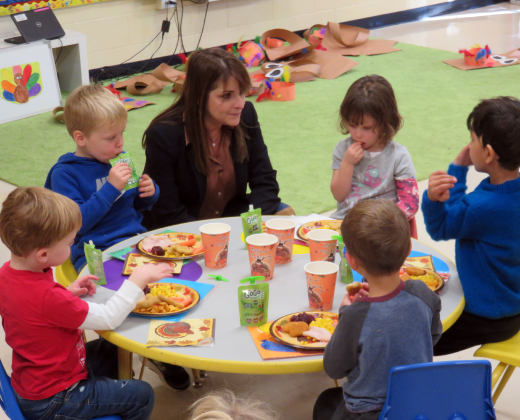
(388, 323)
(485, 225)
(96, 120)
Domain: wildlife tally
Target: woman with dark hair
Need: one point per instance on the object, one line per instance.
(207, 148)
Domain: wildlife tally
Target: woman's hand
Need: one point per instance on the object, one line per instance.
(146, 186)
(83, 285)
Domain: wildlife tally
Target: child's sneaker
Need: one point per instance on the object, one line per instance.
(172, 376)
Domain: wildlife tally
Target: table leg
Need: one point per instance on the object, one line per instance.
(196, 377)
(203, 374)
(125, 363)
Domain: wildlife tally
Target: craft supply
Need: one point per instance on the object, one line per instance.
(274, 43)
(283, 229)
(345, 271)
(321, 282)
(125, 157)
(253, 301)
(188, 332)
(262, 249)
(322, 246)
(215, 240)
(95, 263)
(251, 221)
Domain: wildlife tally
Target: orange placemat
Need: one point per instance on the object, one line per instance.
(259, 337)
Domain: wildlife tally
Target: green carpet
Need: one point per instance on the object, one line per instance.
(434, 100)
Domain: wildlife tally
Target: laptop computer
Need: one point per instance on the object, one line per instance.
(35, 25)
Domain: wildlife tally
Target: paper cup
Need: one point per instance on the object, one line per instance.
(262, 249)
(215, 240)
(283, 229)
(321, 282)
(321, 246)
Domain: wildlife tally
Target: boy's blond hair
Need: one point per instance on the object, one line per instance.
(34, 218)
(90, 107)
(377, 234)
(224, 405)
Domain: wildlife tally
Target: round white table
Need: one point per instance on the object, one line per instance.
(234, 350)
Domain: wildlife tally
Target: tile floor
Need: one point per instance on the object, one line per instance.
(497, 26)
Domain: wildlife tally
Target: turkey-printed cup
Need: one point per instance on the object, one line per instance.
(283, 229)
(262, 249)
(215, 240)
(321, 282)
(321, 245)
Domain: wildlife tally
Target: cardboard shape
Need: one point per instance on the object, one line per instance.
(167, 74)
(274, 43)
(297, 44)
(495, 60)
(314, 35)
(277, 91)
(331, 65)
(141, 85)
(295, 72)
(350, 40)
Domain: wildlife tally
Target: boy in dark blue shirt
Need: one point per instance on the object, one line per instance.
(485, 225)
(388, 323)
(96, 119)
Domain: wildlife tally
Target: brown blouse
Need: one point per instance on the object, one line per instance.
(221, 186)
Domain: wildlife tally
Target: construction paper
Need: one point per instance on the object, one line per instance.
(277, 91)
(142, 85)
(299, 71)
(274, 43)
(202, 288)
(134, 260)
(495, 60)
(331, 64)
(189, 332)
(297, 44)
(269, 348)
(251, 54)
(167, 74)
(113, 269)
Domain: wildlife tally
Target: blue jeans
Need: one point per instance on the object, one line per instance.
(94, 397)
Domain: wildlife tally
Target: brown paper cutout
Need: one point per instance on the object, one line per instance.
(59, 117)
(141, 85)
(495, 60)
(331, 65)
(165, 73)
(297, 44)
(303, 71)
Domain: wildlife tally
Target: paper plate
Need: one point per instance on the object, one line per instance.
(286, 339)
(178, 237)
(179, 287)
(440, 282)
(320, 224)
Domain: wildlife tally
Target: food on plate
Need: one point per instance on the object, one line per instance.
(164, 298)
(354, 288)
(304, 317)
(295, 329)
(432, 279)
(172, 245)
(180, 250)
(414, 271)
(405, 276)
(327, 323)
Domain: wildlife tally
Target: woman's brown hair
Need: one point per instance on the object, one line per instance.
(204, 70)
(371, 95)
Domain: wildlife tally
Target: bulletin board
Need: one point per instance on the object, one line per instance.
(8, 7)
(28, 81)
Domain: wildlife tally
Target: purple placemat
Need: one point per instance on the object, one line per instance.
(115, 279)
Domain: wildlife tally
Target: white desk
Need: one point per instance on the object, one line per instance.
(72, 66)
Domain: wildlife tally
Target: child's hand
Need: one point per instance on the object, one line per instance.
(150, 273)
(439, 186)
(119, 175)
(146, 186)
(83, 285)
(463, 159)
(347, 300)
(318, 333)
(354, 153)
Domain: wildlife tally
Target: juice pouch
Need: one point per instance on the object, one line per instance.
(95, 263)
(251, 222)
(253, 301)
(345, 271)
(133, 182)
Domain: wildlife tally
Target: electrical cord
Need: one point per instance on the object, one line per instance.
(203, 24)
(59, 53)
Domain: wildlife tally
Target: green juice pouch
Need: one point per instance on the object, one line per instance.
(95, 263)
(345, 271)
(133, 182)
(251, 222)
(253, 301)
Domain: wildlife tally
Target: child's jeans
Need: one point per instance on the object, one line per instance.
(93, 397)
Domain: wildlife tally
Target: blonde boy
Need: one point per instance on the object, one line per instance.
(389, 323)
(54, 372)
(96, 120)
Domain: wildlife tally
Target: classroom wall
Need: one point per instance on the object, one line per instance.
(118, 29)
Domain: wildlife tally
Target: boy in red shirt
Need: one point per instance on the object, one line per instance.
(54, 372)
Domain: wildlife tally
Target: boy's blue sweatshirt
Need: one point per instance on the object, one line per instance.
(109, 216)
(486, 226)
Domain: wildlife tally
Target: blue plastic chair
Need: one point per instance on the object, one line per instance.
(10, 405)
(459, 390)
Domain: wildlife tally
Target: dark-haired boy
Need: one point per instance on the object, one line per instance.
(389, 323)
(485, 224)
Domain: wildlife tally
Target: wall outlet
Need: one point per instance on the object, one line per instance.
(165, 4)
